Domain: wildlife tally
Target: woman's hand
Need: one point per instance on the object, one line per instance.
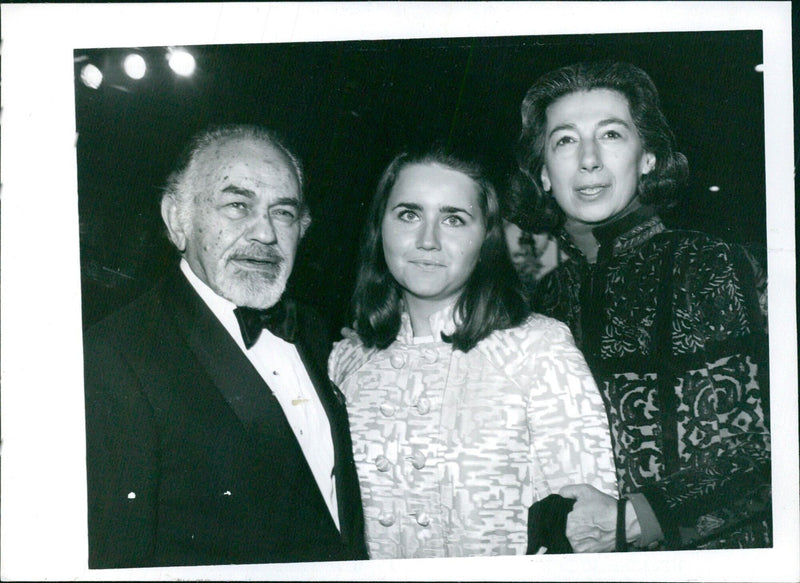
(592, 524)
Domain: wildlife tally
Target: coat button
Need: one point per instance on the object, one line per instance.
(397, 360)
(387, 409)
(417, 460)
(382, 463)
(429, 355)
(386, 519)
(423, 519)
(423, 406)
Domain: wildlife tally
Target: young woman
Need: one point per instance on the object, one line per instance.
(464, 408)
(668, 320)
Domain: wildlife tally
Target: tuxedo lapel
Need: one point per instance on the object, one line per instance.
(247, 394)
(314, 359)
(231, 372)
(331, 398)
(313, 345)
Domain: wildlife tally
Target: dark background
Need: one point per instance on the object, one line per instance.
(348, 107)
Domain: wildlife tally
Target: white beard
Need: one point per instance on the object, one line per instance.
(252, 289)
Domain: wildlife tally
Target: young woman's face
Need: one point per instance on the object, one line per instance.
(433, 229)
(593, 156)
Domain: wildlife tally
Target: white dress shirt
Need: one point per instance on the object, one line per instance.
(279, 364)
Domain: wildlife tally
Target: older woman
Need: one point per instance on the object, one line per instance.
(464, 408)
(668, 320)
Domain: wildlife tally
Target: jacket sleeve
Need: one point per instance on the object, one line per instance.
(566, 417)
(724, 385)
(729, 483)
(122, 460)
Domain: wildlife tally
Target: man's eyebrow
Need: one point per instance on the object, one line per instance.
(233, 189)
(286, 200)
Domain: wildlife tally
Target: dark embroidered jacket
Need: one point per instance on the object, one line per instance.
(670, 325)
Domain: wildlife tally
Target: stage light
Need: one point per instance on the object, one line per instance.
(181, 61)
(135, 66)
(91, 76)
(713, 188)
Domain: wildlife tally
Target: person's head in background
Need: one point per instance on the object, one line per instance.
(594, 146)
(525, 255)
(434, 237)
(235, 212)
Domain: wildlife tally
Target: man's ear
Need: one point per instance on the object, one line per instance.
(648, 162)
(175, 227)
(305, 222)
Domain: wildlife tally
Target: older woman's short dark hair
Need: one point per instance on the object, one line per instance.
(493, 298)
(532, 207)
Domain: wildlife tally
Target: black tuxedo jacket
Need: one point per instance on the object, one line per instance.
(190, 458)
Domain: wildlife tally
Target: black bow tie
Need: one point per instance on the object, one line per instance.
(280, 319)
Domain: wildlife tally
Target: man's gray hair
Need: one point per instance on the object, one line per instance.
(181, 184)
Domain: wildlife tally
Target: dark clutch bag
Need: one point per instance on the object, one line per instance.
(547, 525)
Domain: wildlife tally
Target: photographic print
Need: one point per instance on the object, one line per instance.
(114, 117)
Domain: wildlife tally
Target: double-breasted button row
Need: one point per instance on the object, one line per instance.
(423, 407)
(382, 463)
(417, 459)
(386, 519)
(397, 360)
(421, 518)
(427, 355)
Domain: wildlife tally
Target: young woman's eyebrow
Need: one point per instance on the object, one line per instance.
(454, 209)
(443, 209)
(408, 205)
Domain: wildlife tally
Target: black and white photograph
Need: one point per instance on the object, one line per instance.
(368, 291)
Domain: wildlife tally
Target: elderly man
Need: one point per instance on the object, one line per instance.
(213, 433)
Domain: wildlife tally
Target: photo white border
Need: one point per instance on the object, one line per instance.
(43, 529)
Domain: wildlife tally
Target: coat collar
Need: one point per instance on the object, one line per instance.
(442, 322)
(619, 236)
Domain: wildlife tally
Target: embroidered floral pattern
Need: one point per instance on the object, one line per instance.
(709, 363)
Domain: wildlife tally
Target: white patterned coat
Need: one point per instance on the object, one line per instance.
(452, 448)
